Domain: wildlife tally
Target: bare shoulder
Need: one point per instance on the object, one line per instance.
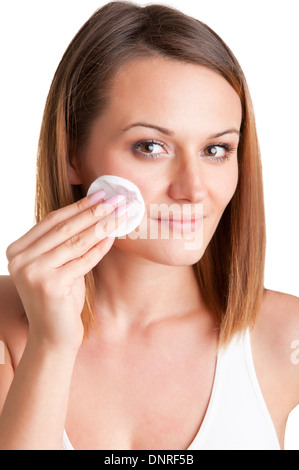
(13, 321)
(279, 317)
(275, 337)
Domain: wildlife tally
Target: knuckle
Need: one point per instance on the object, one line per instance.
(10, 251)
(75, 242)
(104, 227)
(101, 226)
(94, 211)
(52, 216)
(13, 264)
(29, 273)
(81, 204)
(100, 210)
(40, 281)
(62, 227)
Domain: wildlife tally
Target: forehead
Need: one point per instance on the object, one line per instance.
(174, 92)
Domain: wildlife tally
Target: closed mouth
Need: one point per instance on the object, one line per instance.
(181, 219)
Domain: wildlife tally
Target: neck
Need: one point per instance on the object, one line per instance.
(132, 291)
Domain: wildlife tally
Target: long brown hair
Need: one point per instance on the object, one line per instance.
(230, 274)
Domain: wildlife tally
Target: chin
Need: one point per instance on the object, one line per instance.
(168, 252)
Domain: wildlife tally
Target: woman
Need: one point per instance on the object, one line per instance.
(135, 342)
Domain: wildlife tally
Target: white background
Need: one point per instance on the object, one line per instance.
(264, 36)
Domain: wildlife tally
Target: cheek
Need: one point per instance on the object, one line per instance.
(117, 164)
(222, 189)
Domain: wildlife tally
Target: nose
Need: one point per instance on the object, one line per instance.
(188, 179)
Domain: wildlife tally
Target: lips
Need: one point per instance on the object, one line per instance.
(183, 219)
(179, 226)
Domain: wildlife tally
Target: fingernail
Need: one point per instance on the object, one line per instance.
(115, 199)
(97, 196)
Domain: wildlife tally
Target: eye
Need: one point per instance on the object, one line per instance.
(148, 148)
(218, 152)
(214, 151)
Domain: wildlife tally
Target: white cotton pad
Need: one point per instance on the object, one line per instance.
(117, 185)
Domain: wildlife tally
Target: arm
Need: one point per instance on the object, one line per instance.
(278, 332)
(34, 413)
(294, 344)
(48, 265)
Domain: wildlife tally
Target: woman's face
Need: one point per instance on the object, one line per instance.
(171, 128)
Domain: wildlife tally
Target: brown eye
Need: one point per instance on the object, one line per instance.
(213, 151)
(217, 152)
(147, 147)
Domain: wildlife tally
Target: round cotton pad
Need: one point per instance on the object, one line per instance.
(117, 185)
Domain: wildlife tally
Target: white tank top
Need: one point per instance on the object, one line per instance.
(237, 417)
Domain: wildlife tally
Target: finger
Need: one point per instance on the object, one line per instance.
(82, 265)
(50, 221)
(70, 228)
(79, 244)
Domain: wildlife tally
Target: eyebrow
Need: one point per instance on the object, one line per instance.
(165, 131)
